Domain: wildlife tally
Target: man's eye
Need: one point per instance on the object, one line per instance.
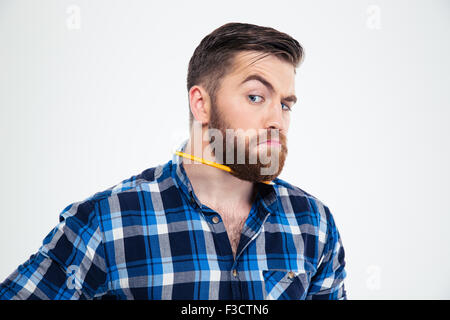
(285, 107)
(252, 98)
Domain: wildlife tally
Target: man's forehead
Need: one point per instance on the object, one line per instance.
(244, 61)
(249, 62)
(253, 65)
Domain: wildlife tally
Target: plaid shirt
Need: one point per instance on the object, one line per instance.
(149, 237)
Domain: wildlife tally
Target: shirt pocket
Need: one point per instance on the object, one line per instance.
(285, 284)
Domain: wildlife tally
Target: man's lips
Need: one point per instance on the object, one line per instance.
(271, 142)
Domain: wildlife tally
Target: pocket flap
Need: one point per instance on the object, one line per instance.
(286, 284)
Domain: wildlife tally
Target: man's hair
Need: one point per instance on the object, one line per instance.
(214, 56)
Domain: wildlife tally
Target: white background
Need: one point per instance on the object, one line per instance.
(93, 92)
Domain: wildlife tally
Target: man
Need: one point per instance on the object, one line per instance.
(219, 227)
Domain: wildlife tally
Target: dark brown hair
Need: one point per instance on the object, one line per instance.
(213, 57)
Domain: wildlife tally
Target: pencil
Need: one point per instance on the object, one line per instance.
(209, 163)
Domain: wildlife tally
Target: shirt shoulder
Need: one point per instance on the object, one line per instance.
(153, 175)
(297, 201)
(149, 177)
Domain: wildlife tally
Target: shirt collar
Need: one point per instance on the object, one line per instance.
(266, 193)
(179, 174)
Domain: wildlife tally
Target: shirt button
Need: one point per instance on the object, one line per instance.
(215, 219)
(234, 272)
(291, 275)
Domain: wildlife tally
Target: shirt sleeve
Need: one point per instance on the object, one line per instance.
(328, 282)
(69, 265)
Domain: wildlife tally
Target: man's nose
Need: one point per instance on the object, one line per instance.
(274, 117)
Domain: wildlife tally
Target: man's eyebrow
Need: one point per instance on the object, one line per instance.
(291, 98)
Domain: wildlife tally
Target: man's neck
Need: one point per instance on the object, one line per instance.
(215, 186)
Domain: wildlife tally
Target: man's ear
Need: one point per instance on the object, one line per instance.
(200, 104)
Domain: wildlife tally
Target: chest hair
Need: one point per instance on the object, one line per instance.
(234, 220)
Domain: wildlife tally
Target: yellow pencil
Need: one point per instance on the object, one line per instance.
(209, 163)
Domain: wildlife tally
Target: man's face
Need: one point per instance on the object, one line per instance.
(260, 108)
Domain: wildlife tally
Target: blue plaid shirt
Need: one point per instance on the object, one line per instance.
(149, 237)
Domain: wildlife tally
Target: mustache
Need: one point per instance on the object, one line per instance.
(269, 135)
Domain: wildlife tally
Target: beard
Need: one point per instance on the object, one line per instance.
(260, 171)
